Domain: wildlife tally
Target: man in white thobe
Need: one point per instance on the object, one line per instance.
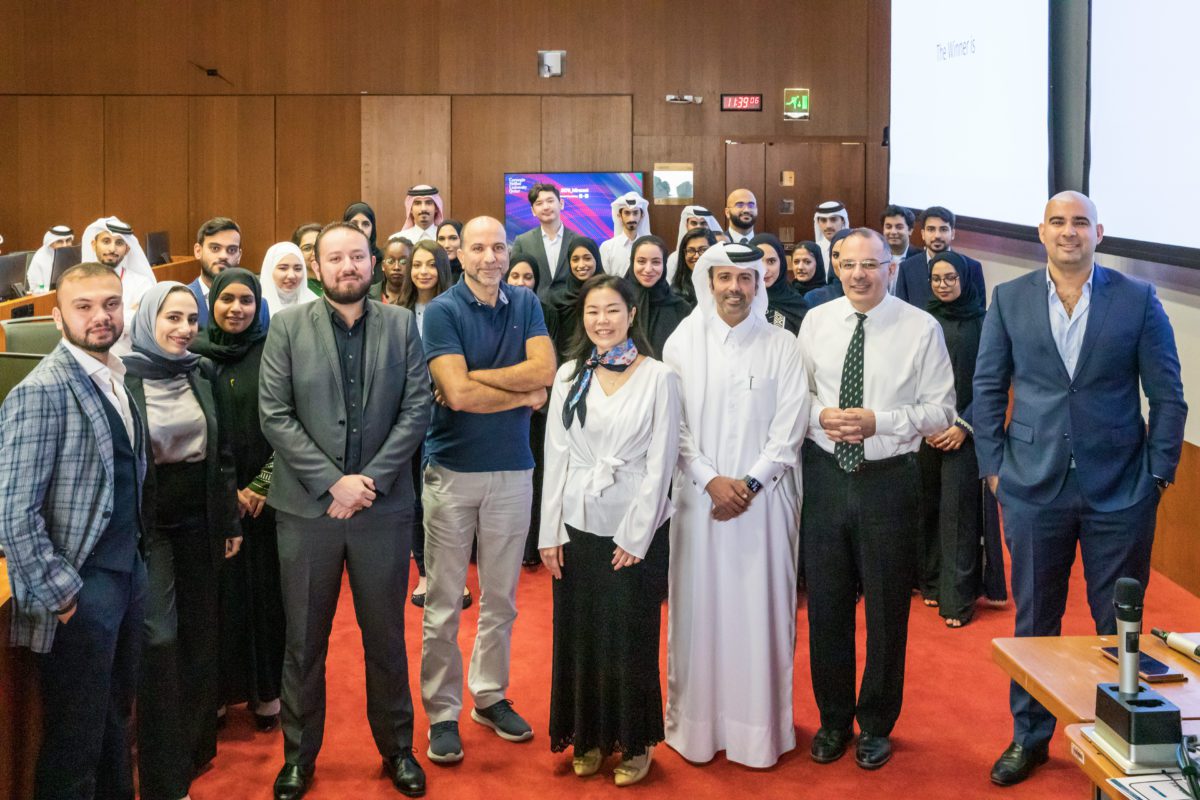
(630, 222)
(111, 242)
(829, 218)
(734, 539)
(423, 206)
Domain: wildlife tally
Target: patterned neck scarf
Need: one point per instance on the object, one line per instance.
(617, 359)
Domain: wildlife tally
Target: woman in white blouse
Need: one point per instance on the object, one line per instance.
(284, 278)
(612, 440)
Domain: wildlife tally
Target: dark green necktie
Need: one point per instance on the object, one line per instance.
(849, 456)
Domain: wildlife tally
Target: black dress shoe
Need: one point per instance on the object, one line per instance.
(265, 723)
(293, 781)
(829, 745)
(1017, 763)
(406, 774)
(872, 752)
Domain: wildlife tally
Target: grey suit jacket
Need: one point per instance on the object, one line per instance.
(56, 481)
(530, 243)
(303, 409)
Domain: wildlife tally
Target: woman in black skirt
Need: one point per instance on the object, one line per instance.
(191, 525)
(612, 439)
(252, 618)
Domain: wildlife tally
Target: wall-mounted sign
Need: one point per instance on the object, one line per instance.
(741, 102)
(673, 185)
(795, 104)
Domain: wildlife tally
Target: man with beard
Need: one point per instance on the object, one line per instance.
(881, 380)
(630, 222)
(491, 359)
(741, 212)
(71, 479)
(218, 247)
(344, 400)
(829, 218)
(897, 223)
(734, 539)
(912, 278)
(424, 206)
(550, 242)
(113, 244)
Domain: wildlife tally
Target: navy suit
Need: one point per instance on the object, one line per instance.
(1077, 465)
(912, 282)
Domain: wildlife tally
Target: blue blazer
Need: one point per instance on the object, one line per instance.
(912, 282)
(1095, 417)
(264, 313)
(56, 481)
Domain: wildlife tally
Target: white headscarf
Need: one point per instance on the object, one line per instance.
(274, 298)
(37, 278)
(692, 334)
(630, 200)
(827, 209)
(135, 260)
(688, 213)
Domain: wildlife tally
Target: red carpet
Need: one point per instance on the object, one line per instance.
(954, 724)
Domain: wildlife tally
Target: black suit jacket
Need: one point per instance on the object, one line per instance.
(530, 243)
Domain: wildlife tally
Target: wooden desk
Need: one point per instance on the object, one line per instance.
(20, 706)
(1061, 672)
(181, 268)
(1097, 766)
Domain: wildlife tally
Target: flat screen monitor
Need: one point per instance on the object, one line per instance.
(158, 248)
(64, 259)
(587, 200)
(12, 276)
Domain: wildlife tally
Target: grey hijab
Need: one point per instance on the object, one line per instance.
(148, 360)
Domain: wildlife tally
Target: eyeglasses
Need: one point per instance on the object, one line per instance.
(695, 251)
(868, 266)
(391, 262)
(306, 248)
(947, 280)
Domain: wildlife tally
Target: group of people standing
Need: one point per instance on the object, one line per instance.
(717, 425)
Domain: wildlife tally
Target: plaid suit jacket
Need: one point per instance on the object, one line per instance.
(56, 481)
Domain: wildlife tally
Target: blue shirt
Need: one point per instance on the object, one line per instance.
(1068, 330)
(487, 337)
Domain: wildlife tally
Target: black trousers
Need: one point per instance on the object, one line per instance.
(374, 548)
(178, 691)
(860, 526)
(418, 523)
(88, 681)
(537, 442)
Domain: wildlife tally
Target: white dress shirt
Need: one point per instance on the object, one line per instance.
(553, 246)
(907, 378)
(610, 477)
(615, 254)
(736, 238)
(109, 378)
(1067, 330)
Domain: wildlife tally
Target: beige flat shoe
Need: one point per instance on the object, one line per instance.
(632, 770)
(588, 763)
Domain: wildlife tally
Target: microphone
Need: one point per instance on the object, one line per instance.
(1127, 599)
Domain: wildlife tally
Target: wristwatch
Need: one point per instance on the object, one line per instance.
(1162, 483)
(752, 484)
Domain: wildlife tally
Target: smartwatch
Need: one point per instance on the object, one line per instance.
(752, 484)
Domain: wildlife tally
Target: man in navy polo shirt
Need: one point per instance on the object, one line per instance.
(491, 361)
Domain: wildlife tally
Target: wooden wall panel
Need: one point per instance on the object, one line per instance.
(318, 142)
(745, 168)
(587, 134)
(1175, 552)
(59, 159)
(10, 200)
(146, 164)
(879, 88)
(231, 170)
(405, 142)
(491, 135)
(707, 157)
(824, 171)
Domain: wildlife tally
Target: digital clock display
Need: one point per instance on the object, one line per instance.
(741, 102)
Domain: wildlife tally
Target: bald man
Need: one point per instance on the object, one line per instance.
(741, 212)
(491, 359)
(1076, 466)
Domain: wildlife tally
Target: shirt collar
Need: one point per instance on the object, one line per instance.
(469, 296)
(336, 318)
(113, 367)
(881, 307)
(204, 287)
(1087, 285)
(737, 334)
(557, 234)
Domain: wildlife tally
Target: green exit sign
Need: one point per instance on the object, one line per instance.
(795, 104)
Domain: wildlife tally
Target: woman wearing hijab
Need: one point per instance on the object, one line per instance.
(523, 271)
(283, 279)
(951, 492)
(833, 289)
(785, 307)
(808, 268)
(611, 448)
(692, 245)
(560, 305)
(362, 216)
(252, 620)
(449, 236)
(660, 310)
(190, 520)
